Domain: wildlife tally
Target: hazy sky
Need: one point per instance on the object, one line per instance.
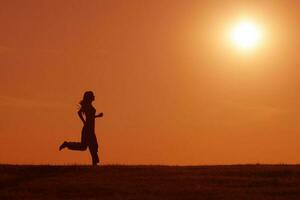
(173, 89)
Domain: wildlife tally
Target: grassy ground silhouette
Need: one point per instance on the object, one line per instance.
(150, 182)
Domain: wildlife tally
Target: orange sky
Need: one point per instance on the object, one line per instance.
(171, 89)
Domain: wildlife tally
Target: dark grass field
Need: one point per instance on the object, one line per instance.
(253, 182)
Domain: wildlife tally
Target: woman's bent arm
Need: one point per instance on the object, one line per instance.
(99, 115)
(81, 116)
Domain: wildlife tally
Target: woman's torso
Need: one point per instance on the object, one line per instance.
(89, 112)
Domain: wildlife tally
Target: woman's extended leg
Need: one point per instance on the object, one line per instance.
(77, 146)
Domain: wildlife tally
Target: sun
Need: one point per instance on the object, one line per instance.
(246, 35)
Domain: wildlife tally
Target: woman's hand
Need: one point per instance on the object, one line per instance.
(99, 115)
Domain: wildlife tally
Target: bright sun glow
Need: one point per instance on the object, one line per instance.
(246, 35)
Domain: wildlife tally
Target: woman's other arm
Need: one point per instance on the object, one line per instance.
(80, 114)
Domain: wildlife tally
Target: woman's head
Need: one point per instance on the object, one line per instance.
(88, 97)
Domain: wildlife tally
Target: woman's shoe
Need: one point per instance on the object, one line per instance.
(63, 145)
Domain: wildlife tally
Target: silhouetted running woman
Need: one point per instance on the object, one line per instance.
(88, 136)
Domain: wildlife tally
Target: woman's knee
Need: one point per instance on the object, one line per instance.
(84, 147)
